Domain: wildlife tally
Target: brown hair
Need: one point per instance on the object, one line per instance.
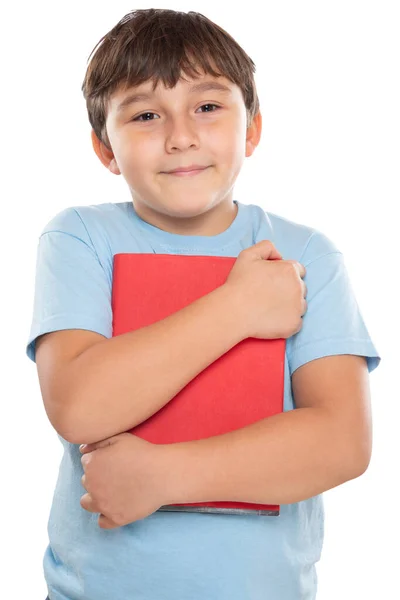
(159, 44)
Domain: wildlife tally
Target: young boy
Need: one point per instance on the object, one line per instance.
(148, 119)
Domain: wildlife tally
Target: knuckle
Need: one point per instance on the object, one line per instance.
(296, 327)
(86, 459)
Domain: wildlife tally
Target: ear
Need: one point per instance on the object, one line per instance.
(105, 155)
(253, 134)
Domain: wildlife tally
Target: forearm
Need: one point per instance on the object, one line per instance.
(283, 459)
(121, 382)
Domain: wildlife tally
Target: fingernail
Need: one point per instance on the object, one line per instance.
(82, 446)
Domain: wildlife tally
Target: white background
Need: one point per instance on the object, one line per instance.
(328, 83)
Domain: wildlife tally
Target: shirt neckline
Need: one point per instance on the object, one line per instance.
(176, 240)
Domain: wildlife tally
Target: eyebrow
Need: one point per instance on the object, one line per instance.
(205, 86)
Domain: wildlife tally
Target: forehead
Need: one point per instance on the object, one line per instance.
(127, 96)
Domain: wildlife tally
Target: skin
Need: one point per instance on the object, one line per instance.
(180, 133)
(126, 479)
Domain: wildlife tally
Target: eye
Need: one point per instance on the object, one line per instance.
(210, 105)
(143, 115)
(138, 118)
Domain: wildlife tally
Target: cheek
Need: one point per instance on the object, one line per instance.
(229, 141)
(232, 151)
(139, 157)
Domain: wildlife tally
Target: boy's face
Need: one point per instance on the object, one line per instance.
(180, 131)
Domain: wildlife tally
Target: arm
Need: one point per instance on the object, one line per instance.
(120, 382)
(288, 457)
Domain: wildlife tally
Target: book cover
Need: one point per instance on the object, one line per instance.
(241, 387)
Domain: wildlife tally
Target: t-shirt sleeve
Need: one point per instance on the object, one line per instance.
(72, 288)
(333, 323)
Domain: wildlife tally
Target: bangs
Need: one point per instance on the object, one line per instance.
(163, 45)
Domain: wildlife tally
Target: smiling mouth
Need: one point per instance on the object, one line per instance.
(187, 173)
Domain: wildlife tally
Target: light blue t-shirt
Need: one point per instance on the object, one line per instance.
(178, 555)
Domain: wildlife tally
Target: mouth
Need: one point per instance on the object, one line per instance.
(187, 173)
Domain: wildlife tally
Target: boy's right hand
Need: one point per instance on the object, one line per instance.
(268, 292)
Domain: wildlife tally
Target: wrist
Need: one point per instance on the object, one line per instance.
(176, 472)
(233, 307)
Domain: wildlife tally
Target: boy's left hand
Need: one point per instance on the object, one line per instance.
(125, 477)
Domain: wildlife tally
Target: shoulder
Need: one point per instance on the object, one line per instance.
(78, 220)
(300, 242)
(99, 226)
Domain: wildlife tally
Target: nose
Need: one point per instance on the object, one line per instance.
(181, 134)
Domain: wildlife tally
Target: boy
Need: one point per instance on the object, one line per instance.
(111, 542)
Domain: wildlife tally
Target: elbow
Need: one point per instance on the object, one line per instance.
(66, 428)
(364, 455)
(363, 465)
(65, 422)
(74, 430)
(80, 425)
(70, 434)
(360, 464)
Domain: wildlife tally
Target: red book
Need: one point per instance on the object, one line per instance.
(241, 387)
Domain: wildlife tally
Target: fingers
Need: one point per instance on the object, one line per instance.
(85, 459)
(87, 501)
(88, 504)
(301, 268)
(83, 448)
(106, 523)
(305, 306)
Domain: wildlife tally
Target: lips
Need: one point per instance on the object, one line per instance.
(187, 173)
(186, 169)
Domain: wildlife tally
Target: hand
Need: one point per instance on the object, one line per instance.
(268, 293)
(125, 477)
